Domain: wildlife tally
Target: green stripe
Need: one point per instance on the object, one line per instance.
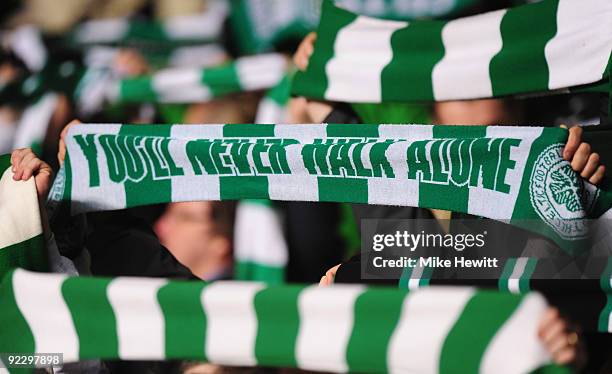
(553, 369)
(347, 190)
(405, 277)
(222, 80)
(137, 90)
(185, 319)
(376, 316)
(438, 196)
(502, 283)
(413, 70)
(67, 179)
(15, 335)
(149, 31)
(99, 339)
(248, 130)
(278, 324)
(523, 209)
(425, 276)
(312, 83)
(521, 64)
(487, 310)
(235, 188)
(604, 317)
(352, 130)
(253, 271)
(524, 214)
(281, 93)
(526, 276)
(449, 197)
(424, 280)
(29, 254)
(459, 132)
(606, 277)
(5, 163)
(147, 191)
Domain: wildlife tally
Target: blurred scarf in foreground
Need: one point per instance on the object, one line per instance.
(334, 329)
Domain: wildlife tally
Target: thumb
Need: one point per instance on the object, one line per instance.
(61, 153)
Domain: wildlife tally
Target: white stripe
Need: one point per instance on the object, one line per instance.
(7, 134)
(291, 187)
(192, 187)
(40, 301)
(305, 133)
(361, 51)
(259, 72)
(463, 72)
(140, 321)
(326, 323)
(101, 31)
(32, 126)
(299, 185)
(427, 316)
(190, 132)
(258, 234)
(517, 272)
(415, 277)
(207, 24)
(27, 43)
(180, 85)
(269, 111)
(610, 323)
(405, 132)
(185, 95)
(19, 211)
(201, 56)
(399, 190)
(479, 201)
(231, 322)
(108, 195)
(579, 51)
(515, 348)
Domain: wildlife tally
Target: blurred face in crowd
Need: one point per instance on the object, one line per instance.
(189, 231)
(7, 73)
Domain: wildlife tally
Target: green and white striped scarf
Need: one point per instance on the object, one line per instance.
(21, 234)
(179, 30)
(517, 277)
(362, 59)
(605, 318)
(260, 248)
(273, 107)
(34, 121)
(187, 85)
(512, 173)
(344, 328)
(262, 25)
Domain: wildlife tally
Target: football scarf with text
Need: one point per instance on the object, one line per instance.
(514, 174)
